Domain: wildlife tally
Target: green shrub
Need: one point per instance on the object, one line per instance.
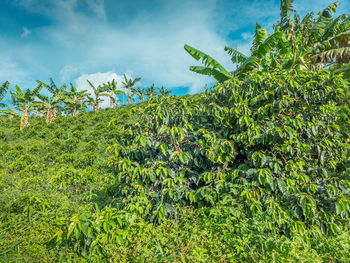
(91, 146)
(2, 135)
(70, 145)
(86, 159)
(67, 158)
(12, 155)
(271, 141)
(60, 134)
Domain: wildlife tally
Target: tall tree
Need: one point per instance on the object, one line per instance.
(98, 92)
(128, 84)
(263, 44)
(25, 101)
(140, 93)
(114, 91)
(3, 89)
(12, 101)
(151, 91)
(56, 97)
(47, 105)
(308, 43)
(164, 92)
(74, 100)
(321, 40)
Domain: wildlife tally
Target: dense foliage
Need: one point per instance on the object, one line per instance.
(312, 42)
(254, 169)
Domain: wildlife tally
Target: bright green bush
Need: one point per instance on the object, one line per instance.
(270, 144)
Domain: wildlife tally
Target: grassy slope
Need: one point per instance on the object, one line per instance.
(48, 173)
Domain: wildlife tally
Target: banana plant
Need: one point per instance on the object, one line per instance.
(56, 97)
(74, 100)
(211, 66)
(98, 92)
(263, 44)
(11, 111)
(128, 84)
(3, 89)
(319, 41)
(164, 92)
(151, 91)
(307, 43)
(114, 91)
(140, 93)
(47, 105)
(24, 102)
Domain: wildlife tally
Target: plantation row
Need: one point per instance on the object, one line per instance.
(69, 101)
(254, 169)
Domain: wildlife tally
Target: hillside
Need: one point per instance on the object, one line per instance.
(253, 169)
(225, 175)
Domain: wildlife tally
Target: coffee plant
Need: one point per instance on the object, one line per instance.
(253, 169)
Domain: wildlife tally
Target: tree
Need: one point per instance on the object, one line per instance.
(48, 104)
(262, 45)
(25, 101)
(128, 84)
(114, 91)
(164, 92)
(295, 43)
(74, 100)
(151, 91)
(56, 98)
(140, 93)
(3, 89)
(98, 92)
(13, 102)
(321, 40)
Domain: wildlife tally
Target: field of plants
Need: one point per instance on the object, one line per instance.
(254, 169)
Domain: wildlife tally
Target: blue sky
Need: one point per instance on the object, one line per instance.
(75, 40)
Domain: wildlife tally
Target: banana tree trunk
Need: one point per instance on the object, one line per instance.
(37, 112)
(123, 99)
(48, 116)
(13, 110)
(53, 114)
(24, 119)
(112, 100)
(95, 107)
(74, 112)
(128, 101)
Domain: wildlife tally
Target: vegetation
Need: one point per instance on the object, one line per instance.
(254, 169)
(128, 85)
(114, 91)
(3, 89)
(311, 42)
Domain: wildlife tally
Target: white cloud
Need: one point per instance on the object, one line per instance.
(149, 43)
(98, 79)
(26, 32)
(150, 46)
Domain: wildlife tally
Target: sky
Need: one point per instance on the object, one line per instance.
(100, 40)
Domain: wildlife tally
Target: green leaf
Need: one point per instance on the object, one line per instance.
(281, 185)
(143, 141)
(164, 149)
